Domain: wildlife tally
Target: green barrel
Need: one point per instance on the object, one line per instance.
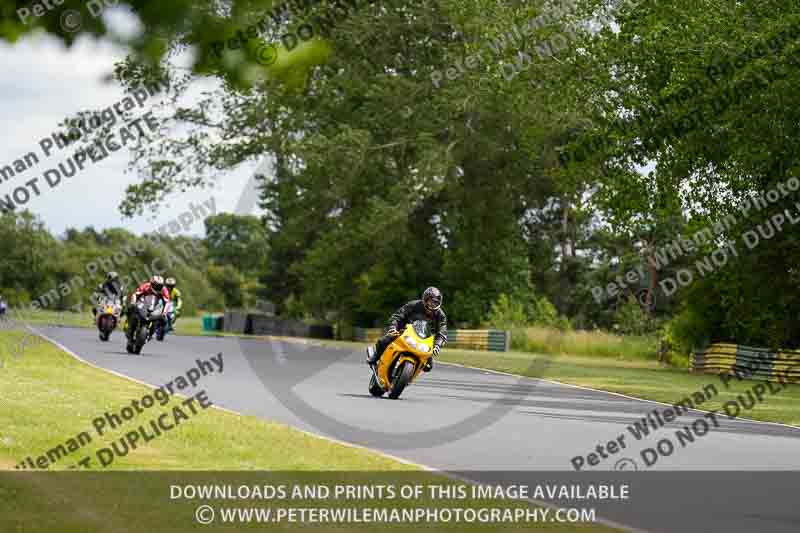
(208, 323)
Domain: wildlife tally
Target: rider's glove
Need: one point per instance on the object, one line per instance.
(436, 350)
(392, 331)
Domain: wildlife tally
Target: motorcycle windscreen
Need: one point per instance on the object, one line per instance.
(149, 300)
(154, 302)
(422, 329)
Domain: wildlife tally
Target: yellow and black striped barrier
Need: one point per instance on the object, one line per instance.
(748, 362)
(490, 340)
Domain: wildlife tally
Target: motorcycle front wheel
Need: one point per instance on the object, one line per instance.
(402, 378)
(141, 340)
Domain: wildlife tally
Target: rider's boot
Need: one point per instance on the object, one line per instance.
(372, 355)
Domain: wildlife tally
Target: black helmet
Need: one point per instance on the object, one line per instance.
(432, 299)
(157, 283)
(170, 283)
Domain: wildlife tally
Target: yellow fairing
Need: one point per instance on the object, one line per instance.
(407, 347)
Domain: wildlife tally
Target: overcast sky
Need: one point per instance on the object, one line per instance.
(42, 84)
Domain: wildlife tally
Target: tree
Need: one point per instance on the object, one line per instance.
(705, 90)
(229, 282)
(237, 240)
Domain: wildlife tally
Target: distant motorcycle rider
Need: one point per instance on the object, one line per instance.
(154, 286)
(111, 289)
(176, 298)
(429, 308)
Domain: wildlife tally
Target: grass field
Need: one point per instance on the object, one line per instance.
(583, 343)
(50, 398)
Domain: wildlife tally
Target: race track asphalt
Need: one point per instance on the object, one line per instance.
(483, 423)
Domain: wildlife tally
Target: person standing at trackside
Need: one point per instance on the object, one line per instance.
(429, 308)
(3, 306)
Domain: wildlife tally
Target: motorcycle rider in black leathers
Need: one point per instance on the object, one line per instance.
(112, 289)
(429, 308)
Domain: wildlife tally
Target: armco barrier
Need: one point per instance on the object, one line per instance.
(243, 322)
(270, 325)
(467, 339)
(236, 321)
(748, 362)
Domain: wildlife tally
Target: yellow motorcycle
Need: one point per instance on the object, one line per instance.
(402, 361)
(108, 318)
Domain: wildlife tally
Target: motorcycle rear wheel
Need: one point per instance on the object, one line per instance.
(402, 379)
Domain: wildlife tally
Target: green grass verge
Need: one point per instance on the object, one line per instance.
(49, 397)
